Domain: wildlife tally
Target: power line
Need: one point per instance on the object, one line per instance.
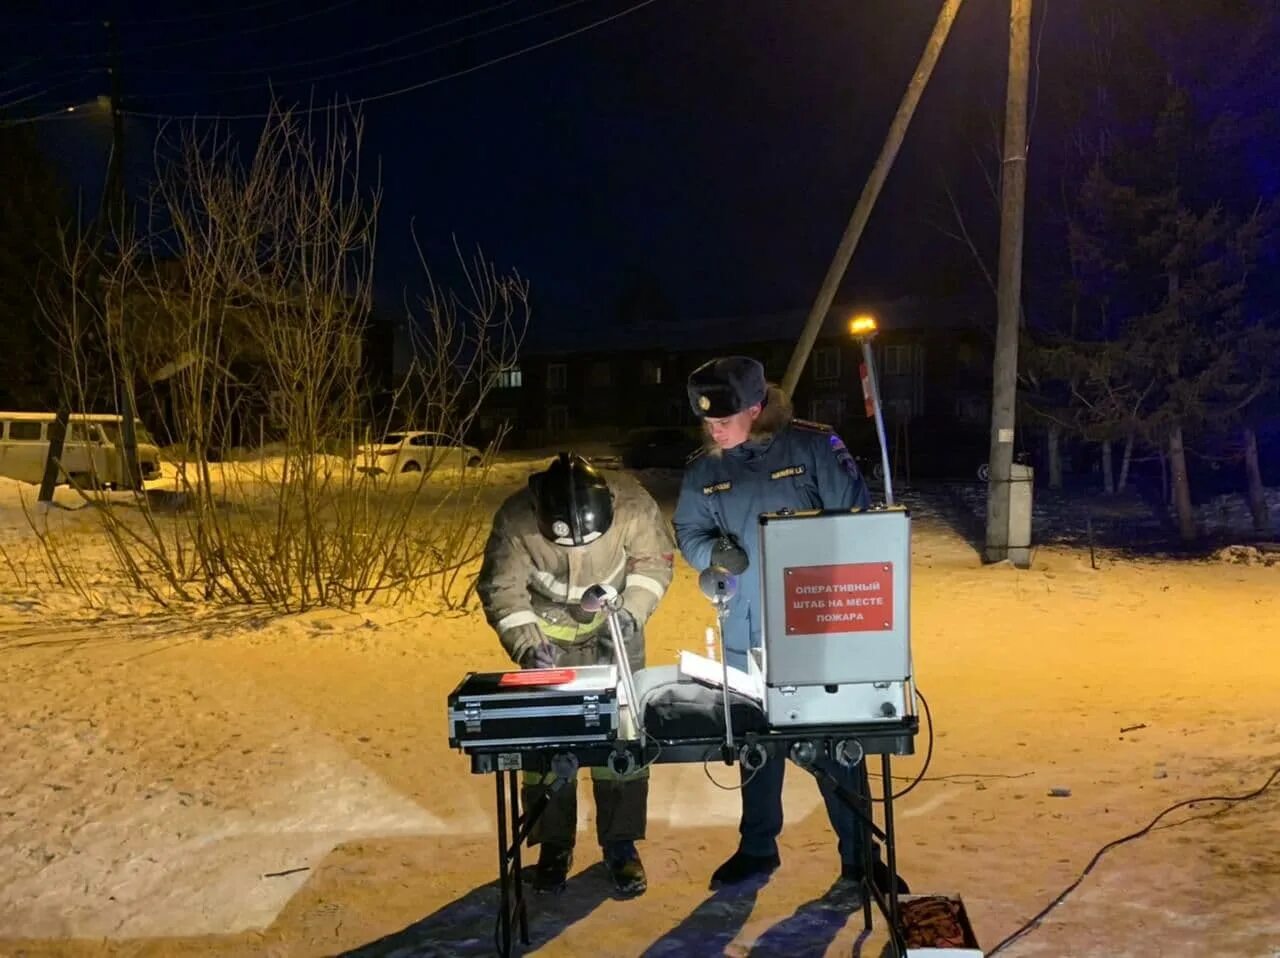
(189, 18)
(386, 61)
(21, 64)
(14, 89)
(75, 112)
(211, 38)
(214, 14)
(412, 87)
(39, 93)
(245, 71)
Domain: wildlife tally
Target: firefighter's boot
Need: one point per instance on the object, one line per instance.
(625, 868)
(552, 871)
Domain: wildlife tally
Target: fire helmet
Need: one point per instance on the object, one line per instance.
(572, 501)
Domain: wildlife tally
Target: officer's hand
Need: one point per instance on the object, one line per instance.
(730, 556)
(539, 656)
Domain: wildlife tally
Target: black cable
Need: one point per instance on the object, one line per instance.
(928, 755)
(1061, 896)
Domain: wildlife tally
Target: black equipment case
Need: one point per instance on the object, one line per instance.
(535, 707)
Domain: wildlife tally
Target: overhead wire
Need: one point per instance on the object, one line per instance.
(354, 51)
(188, 18)
(379, 63)
(73, 112)
(410, 88)
(6, 105)
(215, 37)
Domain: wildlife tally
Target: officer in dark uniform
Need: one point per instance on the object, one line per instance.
(759, 459)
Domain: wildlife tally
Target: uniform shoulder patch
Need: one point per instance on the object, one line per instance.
(810, 426)
(843, 456)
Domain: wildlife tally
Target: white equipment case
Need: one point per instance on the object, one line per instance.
(836, 592)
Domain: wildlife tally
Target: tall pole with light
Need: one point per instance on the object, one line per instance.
(863, 328)
(1013, 186)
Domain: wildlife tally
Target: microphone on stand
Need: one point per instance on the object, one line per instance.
(603, 597)
(720, 586)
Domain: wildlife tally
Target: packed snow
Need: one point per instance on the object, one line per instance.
(230, 782)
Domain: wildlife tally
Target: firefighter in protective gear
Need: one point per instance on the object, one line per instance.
(758, 459)
(569, 530)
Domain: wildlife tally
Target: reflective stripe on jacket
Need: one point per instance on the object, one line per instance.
(527, 581)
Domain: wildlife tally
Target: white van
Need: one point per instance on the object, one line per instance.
(92, 453)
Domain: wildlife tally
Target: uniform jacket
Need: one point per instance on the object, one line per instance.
(530, 588)
(784, 464)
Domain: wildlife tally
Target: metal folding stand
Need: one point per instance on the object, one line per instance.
(510, 881)
(886, 899)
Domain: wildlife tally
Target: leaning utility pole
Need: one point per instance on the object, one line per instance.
(1013, 189)
(870, 192)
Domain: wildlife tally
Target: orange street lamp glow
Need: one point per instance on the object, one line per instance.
(862, 325)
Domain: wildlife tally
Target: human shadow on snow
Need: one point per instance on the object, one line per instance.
(710, 927)
(467, 926)
(806, 933)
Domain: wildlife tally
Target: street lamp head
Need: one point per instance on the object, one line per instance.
(863, 326)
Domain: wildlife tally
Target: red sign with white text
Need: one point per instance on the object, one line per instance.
(850, 597)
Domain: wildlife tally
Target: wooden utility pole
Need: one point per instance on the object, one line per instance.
(1013, 189)
(870, 192)
(120, 224)
(111, 213)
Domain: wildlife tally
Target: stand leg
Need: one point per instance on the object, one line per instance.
(885, 899)
(890, 851)
(868, 843)
(521, 911)
(504, 913)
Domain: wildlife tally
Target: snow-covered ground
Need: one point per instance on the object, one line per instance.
(1109, 522)
(233, 783)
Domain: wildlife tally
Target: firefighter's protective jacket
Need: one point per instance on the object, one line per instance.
(531, 588)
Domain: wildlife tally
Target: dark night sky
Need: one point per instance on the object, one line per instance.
(717, 146)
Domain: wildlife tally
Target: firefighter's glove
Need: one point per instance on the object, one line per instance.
(728, 555)
(539, 656)
(523, 642)
(627, 626)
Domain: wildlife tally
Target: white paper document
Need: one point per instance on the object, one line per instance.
(699, 668)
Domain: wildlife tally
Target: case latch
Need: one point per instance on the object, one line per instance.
(591, 710)
(471, 715)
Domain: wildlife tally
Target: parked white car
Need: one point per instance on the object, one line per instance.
(415, 452)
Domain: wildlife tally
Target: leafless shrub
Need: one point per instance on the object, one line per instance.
(245, 300)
